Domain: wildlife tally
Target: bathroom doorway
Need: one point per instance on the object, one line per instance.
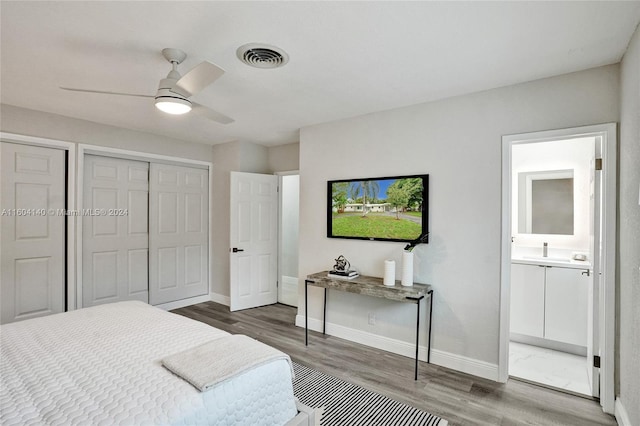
(558, 247)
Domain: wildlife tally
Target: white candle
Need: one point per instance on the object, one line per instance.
(389, 273)
(407, 268)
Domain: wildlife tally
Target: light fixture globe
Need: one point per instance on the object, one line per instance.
(168, 101)
(173, 105)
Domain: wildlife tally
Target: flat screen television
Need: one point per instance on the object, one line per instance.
(382, 209)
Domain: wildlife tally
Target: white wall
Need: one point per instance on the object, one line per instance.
(45, 125)
(628, 271)
(573, 154)
(284, 158)
(458, 142)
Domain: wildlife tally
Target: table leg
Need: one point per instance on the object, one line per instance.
(306, 315)
(430, 320)
(417, 337)
(324, 315)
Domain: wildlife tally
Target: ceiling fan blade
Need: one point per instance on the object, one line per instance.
(102, 92)
(211, 114)
(197, 79)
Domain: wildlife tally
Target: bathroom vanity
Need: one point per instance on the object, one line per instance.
(549, 302)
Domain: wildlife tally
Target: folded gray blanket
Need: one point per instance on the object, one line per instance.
(213, 362)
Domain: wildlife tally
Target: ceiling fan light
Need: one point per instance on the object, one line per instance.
(172, 105)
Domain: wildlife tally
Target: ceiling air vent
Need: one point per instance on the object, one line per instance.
(262, 55)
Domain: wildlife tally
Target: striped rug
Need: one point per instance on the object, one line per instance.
(346, 404)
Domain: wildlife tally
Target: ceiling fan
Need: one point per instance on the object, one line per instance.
(175, 90)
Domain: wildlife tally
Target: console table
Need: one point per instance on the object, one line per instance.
(371, 286)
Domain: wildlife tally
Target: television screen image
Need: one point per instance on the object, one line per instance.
(386, 209)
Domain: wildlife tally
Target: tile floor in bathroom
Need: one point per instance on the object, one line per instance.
(549, 367)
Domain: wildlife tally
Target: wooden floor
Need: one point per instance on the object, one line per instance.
(460, 398)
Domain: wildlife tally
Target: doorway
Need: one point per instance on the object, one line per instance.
(263, 257)
(558, 242)
(288, 231)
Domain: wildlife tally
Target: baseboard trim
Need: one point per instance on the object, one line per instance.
(184, 302)
(464, 364)
(290, 281)
(444, 359)
(219, 298)
(622, 417)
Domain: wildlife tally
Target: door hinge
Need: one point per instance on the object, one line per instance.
(277, 283)
(598, 163)
(596, 361)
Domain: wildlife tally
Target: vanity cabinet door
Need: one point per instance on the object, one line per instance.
(527, 300)
(566, 305)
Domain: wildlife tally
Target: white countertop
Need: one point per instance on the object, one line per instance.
(552, 261)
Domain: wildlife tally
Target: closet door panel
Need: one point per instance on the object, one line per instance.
(138, 213)
(167, 268)
(115, 230)
(104, 277)
(138, 272)
(178, 240)
(32, 235)
(193, 265)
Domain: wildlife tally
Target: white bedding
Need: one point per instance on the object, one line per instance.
(101, 365)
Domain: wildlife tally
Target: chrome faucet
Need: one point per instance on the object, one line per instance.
(545, 248)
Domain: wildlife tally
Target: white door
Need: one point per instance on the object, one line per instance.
(32, 243)
(115, 234)
(593, 294)
(253, 254)
(179, 233)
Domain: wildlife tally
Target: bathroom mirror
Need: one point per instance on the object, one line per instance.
(545, 202)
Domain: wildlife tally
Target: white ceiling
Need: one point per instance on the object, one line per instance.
(346, 59)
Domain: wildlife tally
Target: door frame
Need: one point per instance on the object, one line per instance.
(280, 175)
(70, 149)
(608, 133)
(84, 149)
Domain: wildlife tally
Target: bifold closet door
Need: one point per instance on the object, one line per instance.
(115, 230)
(32, 236)
(178, 233)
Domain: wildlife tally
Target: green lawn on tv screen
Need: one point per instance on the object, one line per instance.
(374, 226)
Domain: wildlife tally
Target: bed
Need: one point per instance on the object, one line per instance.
(102, 365)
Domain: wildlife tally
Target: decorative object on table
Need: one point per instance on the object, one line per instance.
(407, 259)
(422, 239)
(389, 273)
(407, 268)
(342, 269)
(353, 274)
(342, 264)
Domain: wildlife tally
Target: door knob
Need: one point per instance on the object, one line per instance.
(235, 249)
